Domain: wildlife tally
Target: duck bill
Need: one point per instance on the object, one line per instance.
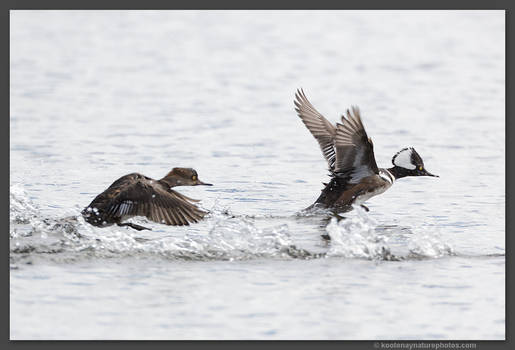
(202, 183)
(427, 173)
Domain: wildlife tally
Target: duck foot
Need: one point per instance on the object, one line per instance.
(364, 207)
(338, 216)
(134, 226)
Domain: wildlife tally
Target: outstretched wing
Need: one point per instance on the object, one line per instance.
(323, 131)
(142, 196)
(354, 149)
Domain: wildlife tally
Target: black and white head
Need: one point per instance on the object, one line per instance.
(409, 163)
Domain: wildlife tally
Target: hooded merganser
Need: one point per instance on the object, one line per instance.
(349, 152)
(137, 195)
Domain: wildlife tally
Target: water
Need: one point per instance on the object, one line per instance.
(97, 95)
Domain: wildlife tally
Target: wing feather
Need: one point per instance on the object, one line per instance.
(168, 217)
(346, 146)
(354, 149)
(137, 195)
(193, 215)
(323, 131)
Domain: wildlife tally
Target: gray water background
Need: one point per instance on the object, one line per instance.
(95, 95)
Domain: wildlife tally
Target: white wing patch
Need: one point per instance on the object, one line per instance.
(124, 208)
(403, 159)
(360, 170)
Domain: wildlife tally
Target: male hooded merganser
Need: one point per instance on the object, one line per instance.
(349, 152)
(137, 195)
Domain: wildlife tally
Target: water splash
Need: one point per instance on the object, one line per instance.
(356, 237)
(427, 242)
(22, 210)
(359, 236)
(223, 237)
(314, 211)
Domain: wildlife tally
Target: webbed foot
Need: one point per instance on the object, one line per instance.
(338, 216)
(134, 226)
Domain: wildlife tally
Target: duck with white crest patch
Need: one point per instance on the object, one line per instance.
(349, 152)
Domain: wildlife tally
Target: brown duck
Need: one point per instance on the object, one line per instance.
(138, 195)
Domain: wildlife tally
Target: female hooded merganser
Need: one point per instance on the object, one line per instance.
(137, 195)
(349, 152)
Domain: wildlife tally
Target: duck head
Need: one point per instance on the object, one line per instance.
(407, 162)
(183, 177)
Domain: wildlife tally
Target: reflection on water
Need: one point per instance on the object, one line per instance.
(95, 95)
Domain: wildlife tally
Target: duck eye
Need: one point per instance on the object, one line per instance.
(194, 177)
(420, 168)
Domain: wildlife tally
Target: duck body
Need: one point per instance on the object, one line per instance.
(138, 195)
(339, 194)
(349, 152)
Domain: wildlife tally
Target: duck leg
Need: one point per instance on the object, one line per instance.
(338, 216)
(134, 226)
(365, 207)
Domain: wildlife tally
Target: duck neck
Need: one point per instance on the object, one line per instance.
(170, 181)
(398, 172)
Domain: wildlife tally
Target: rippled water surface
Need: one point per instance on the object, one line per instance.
(97, 95)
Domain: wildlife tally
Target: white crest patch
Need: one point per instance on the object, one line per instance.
(403, 159)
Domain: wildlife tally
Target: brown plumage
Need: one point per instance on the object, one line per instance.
(138, 195)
